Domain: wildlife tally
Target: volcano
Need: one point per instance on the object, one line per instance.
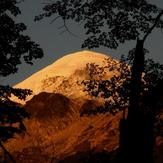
(56, 131)
(62, 75)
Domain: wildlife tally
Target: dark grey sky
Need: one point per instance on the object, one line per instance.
(56, 45)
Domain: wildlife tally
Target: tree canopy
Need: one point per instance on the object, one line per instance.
(15, 48)
(14, 45)
(107, 23)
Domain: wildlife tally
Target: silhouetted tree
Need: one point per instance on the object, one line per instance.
(15, 48)
(116, 91)
(110, 23)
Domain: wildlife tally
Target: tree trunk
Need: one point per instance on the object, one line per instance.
(135, 143)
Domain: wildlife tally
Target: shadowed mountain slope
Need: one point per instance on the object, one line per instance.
(57, 133)
(56, 130)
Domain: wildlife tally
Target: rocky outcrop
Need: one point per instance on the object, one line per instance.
(45, 106)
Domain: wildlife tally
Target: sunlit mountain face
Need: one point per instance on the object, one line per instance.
(56, 131)
(62, 75)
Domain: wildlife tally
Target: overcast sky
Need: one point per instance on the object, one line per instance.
(56, 45)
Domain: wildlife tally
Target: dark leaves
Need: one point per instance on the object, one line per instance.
(115, 90)
(107, 23)
(14, 46)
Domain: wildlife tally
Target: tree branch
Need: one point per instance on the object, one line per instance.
(54, 19)
(154, 25)
(7, 153)
(68, 29)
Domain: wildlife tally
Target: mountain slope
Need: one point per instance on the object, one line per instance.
(63, 67)
(56, 132)
(62, 76)
(56, 128)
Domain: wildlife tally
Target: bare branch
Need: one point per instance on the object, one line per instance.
(62, 32)
(7, 153)
(61, 27)
(154, 25)
(55, 19)
(68, 29)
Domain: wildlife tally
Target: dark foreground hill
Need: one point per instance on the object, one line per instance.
(57, 133)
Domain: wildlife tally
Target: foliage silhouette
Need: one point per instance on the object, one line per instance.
(15, 48)
(116, 91)
(110, 23)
